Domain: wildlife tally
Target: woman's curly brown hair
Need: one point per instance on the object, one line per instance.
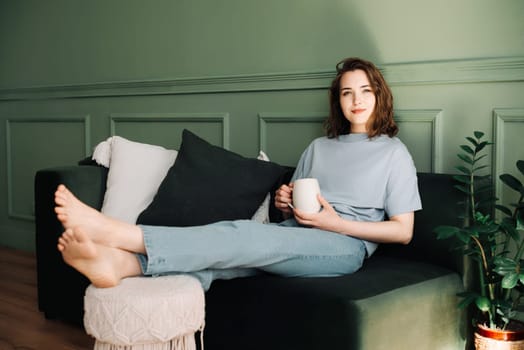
(381, 120)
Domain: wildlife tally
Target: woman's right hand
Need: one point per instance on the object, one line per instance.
(284, 197)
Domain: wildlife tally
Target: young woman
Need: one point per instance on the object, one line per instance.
(365, 173)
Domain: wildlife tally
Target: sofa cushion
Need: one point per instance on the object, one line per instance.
(208, 183)
(379, 305)
(438, 196)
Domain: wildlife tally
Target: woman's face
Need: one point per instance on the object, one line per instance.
(357, 99)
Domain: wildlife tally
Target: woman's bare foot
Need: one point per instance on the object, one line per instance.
(104, 266)
(101, 229)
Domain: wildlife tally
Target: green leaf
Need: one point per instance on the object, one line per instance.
(488, 228)
(478, 158)
(478, 134)
(468, 298)
(509, 226)
(483, 304)
(504, 261)
(475, 169)
(463, 189)
(520, 221)
(465, 158)
(472, 140)
(520, 166)
(481, 146)
(510, 280)
(467, 149)
(521, 278)
(504, 209)
(463, 169)
(486, 202)
(501, 271)
(463, 179)
(464, 236)
(444, 232)
(511, 181)
(471, 230)
(484, 188)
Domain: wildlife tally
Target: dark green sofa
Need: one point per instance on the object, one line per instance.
(403, 298)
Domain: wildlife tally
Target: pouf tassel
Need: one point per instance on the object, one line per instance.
(202, 335)
(186, 342)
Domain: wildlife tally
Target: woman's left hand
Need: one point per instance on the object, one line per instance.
(325, 219)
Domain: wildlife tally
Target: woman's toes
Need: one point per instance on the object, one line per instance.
(68, 235)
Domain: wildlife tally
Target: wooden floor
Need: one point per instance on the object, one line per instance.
(22, 326)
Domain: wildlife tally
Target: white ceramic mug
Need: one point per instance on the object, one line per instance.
(305, 193)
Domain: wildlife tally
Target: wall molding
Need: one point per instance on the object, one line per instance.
(501, 118)
(274, 118)
(84, 119)
(433, 118)
(18, 238)
(504, 69)
(219, 117)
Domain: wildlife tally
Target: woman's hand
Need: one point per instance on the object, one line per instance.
(326, 219)
(283, 198)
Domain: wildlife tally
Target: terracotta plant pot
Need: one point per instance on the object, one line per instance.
(495, 339)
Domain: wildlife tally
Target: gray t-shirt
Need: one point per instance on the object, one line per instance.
(363, 179)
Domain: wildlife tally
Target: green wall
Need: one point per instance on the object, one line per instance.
(246, 75)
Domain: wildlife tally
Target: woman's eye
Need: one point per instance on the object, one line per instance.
(345, 93)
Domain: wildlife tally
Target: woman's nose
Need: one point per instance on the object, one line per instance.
(357, 98)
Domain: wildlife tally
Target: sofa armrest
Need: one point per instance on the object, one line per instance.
(61, 288)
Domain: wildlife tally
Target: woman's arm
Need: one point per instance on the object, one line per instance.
(398, 229)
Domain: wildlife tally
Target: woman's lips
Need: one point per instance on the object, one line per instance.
(357, 111)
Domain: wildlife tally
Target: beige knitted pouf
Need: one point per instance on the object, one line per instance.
(153, 313)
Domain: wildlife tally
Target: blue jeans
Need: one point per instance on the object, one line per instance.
(230, 249)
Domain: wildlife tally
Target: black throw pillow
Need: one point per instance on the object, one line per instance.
(208, 184)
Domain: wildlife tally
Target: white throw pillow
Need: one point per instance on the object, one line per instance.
(135, 173)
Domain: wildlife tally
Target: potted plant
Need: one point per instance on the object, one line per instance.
(494, 242)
